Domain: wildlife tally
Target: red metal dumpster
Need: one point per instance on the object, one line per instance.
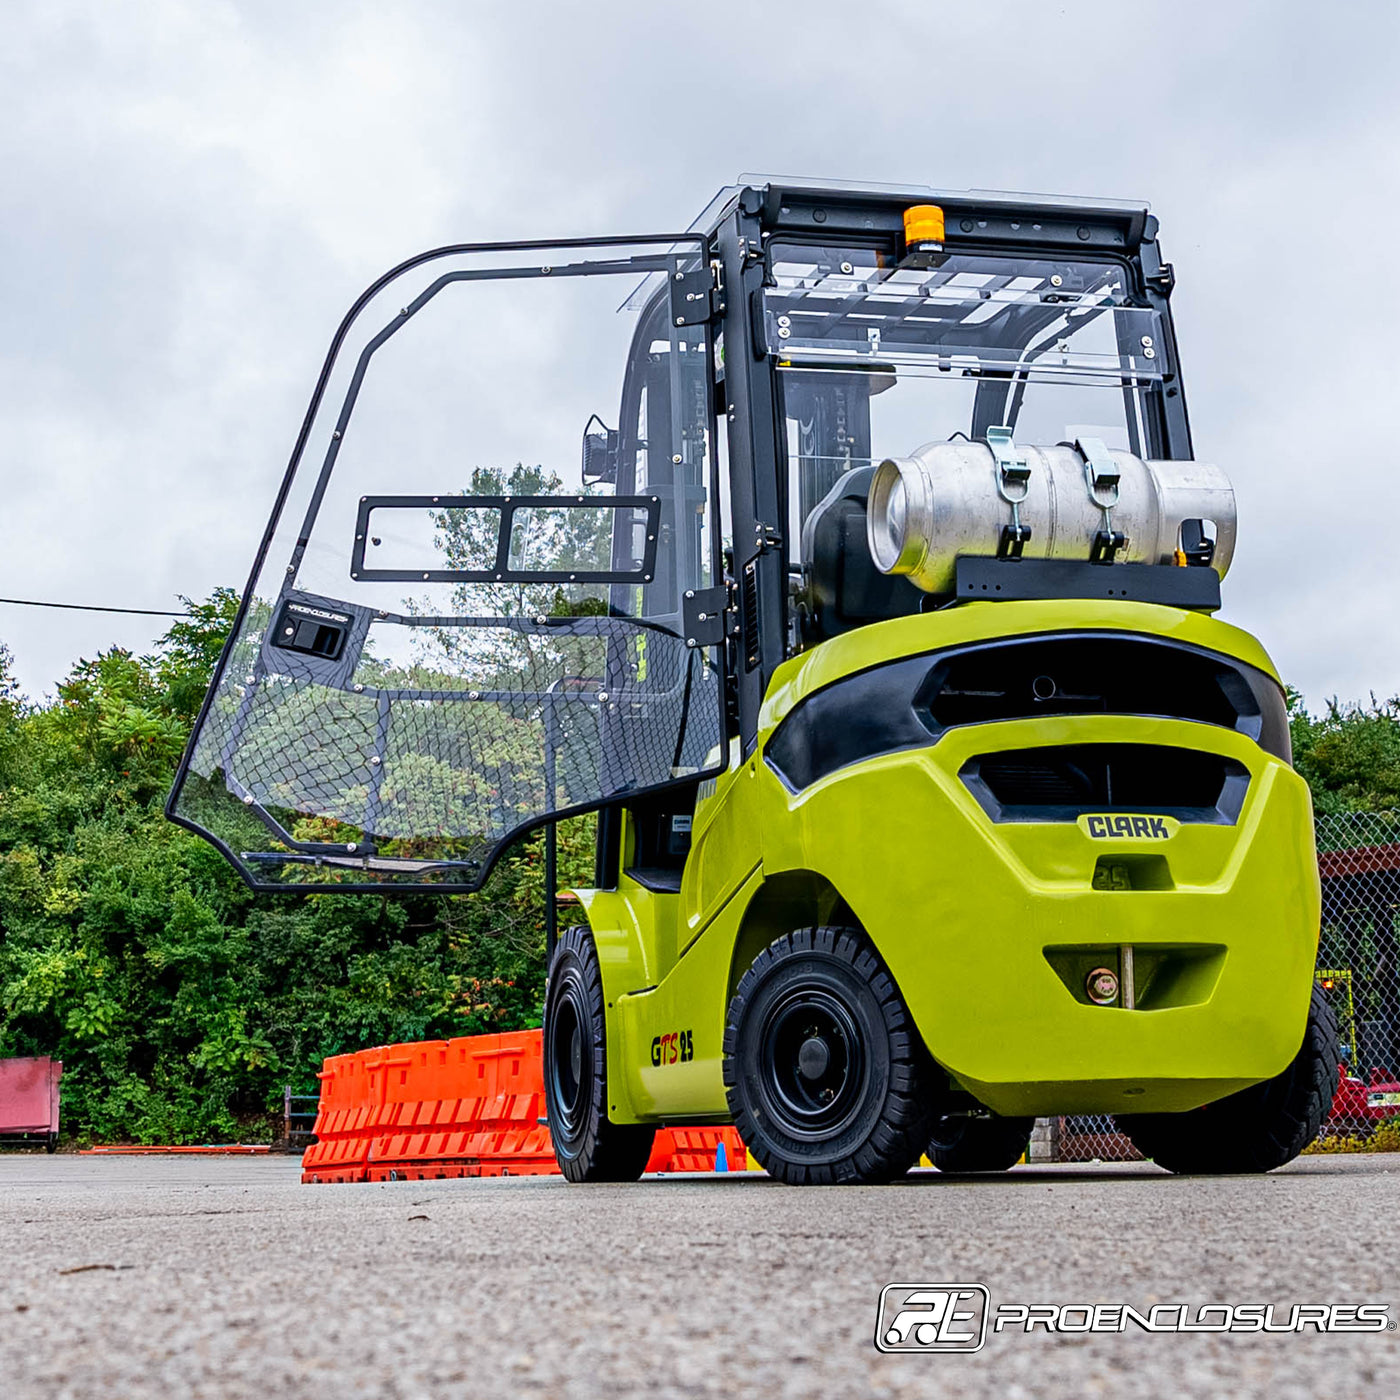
(29, 1099)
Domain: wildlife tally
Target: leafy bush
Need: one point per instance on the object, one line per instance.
(179, 1002)
(1349, 754)
(1385, 1138)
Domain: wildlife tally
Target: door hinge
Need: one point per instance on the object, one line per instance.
(705, 614)
(1163, 281)
(766, 537)
(694, 296)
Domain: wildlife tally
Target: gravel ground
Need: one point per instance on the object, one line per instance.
(177, 1277)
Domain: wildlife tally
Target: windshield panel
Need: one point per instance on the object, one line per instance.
(879, 358)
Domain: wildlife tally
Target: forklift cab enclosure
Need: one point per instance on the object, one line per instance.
(847, 555)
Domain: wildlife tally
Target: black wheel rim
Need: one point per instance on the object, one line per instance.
(570, 1064)
(814, 1067)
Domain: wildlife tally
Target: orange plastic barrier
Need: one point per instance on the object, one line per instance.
(472, 1106)
(343, 1121)
(698, 1150)
(476, 1101)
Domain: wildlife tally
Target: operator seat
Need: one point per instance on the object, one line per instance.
(844, 588)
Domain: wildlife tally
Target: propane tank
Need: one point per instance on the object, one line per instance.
(997, 497)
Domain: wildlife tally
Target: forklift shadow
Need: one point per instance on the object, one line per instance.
(929, 1178)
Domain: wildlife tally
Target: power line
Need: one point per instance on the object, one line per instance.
(93, 607)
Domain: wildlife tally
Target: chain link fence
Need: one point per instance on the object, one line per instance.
(1357, 968)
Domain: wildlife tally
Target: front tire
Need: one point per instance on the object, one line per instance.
(963, 1144)
(824, 1072)
(1257, 1129)
(587, 1145)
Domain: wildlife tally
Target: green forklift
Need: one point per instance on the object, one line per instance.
(872, 614)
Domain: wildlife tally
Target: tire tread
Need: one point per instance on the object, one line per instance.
(897, 1138)
(608, 1151)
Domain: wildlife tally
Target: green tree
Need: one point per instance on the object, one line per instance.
(1349, 754)
(178, 1002)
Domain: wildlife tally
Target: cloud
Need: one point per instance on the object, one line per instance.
(195, 192)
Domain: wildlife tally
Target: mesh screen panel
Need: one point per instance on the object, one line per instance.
(443, 774)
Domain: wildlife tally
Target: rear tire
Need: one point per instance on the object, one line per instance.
(587, 1145)
(962, 1144)
(824, 1072)
(1257, 1129)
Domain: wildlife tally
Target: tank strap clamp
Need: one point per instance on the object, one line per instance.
(1013, 540)
(1103, 476)
(1107, 543)
(1013, 486)
(1013, 470)
(1100, 470)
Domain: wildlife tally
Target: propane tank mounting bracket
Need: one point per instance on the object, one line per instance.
(1196, 547)
(1013, 471)
(1102, 474)
(978, 577)
(1100, 469)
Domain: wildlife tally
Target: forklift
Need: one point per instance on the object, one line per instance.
(874, 617)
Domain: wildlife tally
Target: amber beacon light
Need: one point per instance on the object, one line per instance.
(923, 223)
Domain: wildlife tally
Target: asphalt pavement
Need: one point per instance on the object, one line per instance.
(179, 1277)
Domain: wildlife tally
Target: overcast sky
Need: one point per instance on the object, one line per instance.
(193, 193)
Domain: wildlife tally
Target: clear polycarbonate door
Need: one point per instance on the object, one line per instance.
(468, 612)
